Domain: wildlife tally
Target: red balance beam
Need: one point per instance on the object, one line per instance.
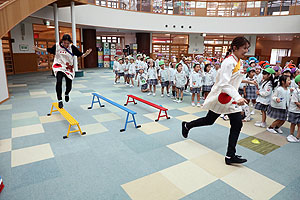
(161, 109)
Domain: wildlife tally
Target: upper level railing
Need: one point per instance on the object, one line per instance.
(207, 8)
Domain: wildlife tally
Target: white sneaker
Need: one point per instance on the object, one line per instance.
(175, 100)
(292, 138)
(226, 118)
(253, 112)
(278, 130)
(172, 97)
(162, 95)
(186, 91)
(118, 81)
(271, 130)
(263, 125)
(258, 124)
(193, 104)
(222, 116)
(153, 94)
(168, 95)
(179, 101)
(126, 84)
(198, 104)
(115, 83)
(149, 93)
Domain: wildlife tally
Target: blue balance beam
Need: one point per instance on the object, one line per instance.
(129, 112)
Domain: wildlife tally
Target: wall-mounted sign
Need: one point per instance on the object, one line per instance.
(24, 47)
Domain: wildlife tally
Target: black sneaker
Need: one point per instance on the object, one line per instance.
(185, 130)
(67, 98)
(60, 104)
(235, 160)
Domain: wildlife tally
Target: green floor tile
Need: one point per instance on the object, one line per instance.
(263, 147)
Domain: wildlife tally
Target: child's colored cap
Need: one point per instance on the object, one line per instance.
(286, 70)
(138, 55)
(249, 69)
(270, 70)
(267, 65)
(131, 58)
(293, 70)
(147, 57)
(277, 68)
(297, 79)
(176, 66)
(278, 62)
(120, 59)
(196, 63)
(161, 63)
(257, 67)
(159, 54)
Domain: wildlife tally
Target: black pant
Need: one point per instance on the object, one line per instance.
(235, 129)
(59, 77)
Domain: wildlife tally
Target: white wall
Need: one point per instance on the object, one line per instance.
(196, 43)
(3, 80)
(114, 18)
(28, 37)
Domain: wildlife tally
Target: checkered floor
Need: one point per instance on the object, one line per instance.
(152, 162)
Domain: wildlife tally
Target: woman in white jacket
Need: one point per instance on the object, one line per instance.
(225, 99)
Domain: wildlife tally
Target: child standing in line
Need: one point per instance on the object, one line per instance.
(172, 78)
(164, 78)
(152, 77)
(264, 95)
(126, 67)
(250, 89)
(258, 75)
(115, 69)
(142, 76)
(208, 80)
(180, 81)
(294, 113)
(137, 64)
(120, 69)
(279, 105)
(196, 83)
(131, 71)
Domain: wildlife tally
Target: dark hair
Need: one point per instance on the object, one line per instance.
(270, 79)
(196, 64)
(205, 68)
(66, 37)
(283, 78)
(237, 42)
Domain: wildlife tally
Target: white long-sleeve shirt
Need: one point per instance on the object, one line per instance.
(142, 78)
(131, 68)
(152, 73)
(164, 74)
(208, 78)
(196, 79)
(265, 93)
(228, 81)
(120, 68)
(180, 79)
(295, 98)
(283, 95)
(172, 74)
(115, 66)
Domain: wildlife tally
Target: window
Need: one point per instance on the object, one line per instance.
(278, 54)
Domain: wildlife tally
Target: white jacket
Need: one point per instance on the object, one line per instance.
(164, 75)
(152, 73)
(180, 79)
(228, 80)
(131, 68)
(295, 98)
(284, 96)
(172, 74)
(142, 78)
(120, 68)
(265, 93)
(115, 66)
(208, 78)
(196, 79)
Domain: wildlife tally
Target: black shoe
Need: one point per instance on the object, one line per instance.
(67, 98)
(60, 104)
(235, 160)
(185, 130)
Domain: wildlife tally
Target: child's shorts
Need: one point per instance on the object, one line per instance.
(144, 86)
(121, 74)
(207, 88)
(181, 89)
(153, 82)
(196, 90)
(165, 84)
(130, 75)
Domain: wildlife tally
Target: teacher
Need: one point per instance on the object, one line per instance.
(224, 98)
(64, 52)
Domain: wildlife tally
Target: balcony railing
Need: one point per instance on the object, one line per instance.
(206, 8)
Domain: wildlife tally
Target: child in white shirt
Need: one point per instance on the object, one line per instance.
(164, 78)
(131, 71)
(180, 81)
(126, 70)
(152, 76)
(115, 69)
(250, 89)
(142, 76)
(294, 113)
(264, 95)
(208, 80)
(172, 78)
(279, 105)
(137, 64)
(196, 83)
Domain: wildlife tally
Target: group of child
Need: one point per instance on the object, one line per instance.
(272, 90)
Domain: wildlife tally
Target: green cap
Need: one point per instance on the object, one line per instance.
(250, 69)
(120, 59)
(177, 65)
(147, 57)
(131, 58)
(161, 63)
(270, 70)
(297, 79)
(267, 66)
(138, 55)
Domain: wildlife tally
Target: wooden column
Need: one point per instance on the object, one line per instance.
(89, 41)
(143, 42)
